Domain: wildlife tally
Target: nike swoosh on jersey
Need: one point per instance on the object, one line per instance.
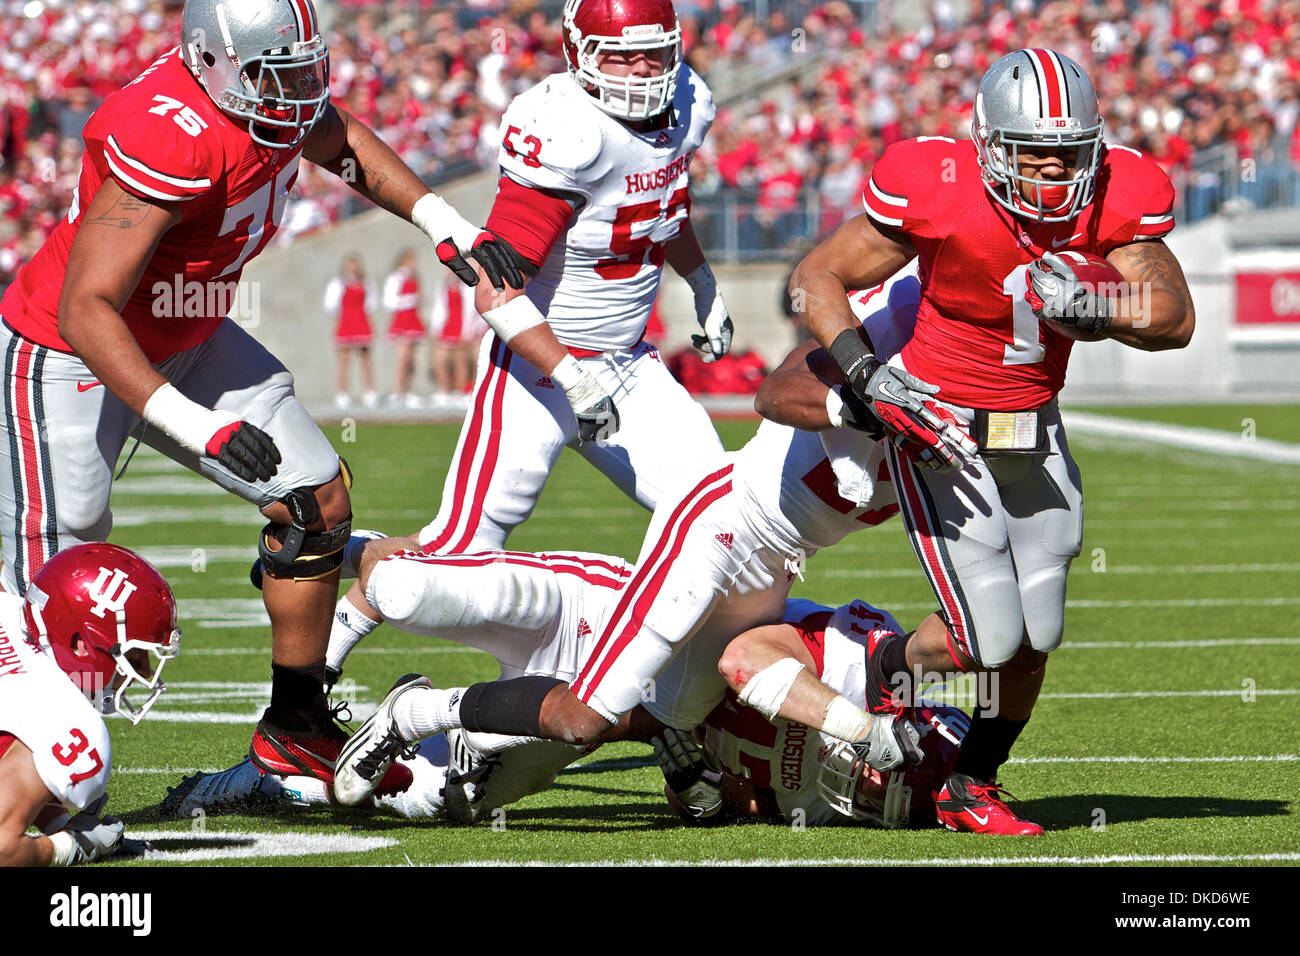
(87, 386)
(1066, 242)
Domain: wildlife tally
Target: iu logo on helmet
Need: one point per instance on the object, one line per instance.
(110, 592)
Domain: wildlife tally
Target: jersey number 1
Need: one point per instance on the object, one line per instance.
(1025, 347)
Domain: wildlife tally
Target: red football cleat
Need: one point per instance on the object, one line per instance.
(312, 753)
(966, 805)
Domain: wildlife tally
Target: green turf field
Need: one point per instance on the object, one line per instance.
(1169, 729)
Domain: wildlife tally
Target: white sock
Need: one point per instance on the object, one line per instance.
(346, 632)
(352, 552)
(422, 712)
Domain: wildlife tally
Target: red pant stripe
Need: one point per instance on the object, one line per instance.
(468, 451)
(644, 591)
(921, 527)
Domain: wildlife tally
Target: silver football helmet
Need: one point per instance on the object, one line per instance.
(260, 60)
(1038, 99)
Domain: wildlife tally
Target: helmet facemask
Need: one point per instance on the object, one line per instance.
(863, 795)
(132, 655)
(281, 90)
(1050, 200)
(624, 97)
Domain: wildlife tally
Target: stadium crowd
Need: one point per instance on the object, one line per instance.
(1186, 81)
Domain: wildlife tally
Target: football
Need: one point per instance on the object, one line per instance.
(1098, 276)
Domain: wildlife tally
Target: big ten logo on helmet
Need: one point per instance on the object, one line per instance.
(658, 178)
(178, 299)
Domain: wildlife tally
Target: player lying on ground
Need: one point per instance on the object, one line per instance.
(715, 562)
(120, 325)
(1002, 225)
(97, 622)
(594, 197)
(531, 612)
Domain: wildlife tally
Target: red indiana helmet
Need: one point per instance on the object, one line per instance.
(102, 611)
(896, 798)
(591, 28)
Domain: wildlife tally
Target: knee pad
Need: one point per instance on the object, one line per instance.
(303, 555)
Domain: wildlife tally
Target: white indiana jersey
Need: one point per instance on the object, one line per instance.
(837, 468)
(797, 486)
(599, 283)
(40, 706)
(779, 757)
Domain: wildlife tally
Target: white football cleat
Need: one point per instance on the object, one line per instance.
(368, 753)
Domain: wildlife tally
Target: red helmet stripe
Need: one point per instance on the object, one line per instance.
(1051, 80)
(306, 16)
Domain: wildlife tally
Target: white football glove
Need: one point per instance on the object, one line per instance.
(695, 784)
(87, 838)
(592, 407)
(711, 313)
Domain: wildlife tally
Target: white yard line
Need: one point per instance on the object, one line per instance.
(885, 861)
(647, 762)
(1208, 642)
(266, 649)
(1144, 694)
(1207, 440)
(1155, 603)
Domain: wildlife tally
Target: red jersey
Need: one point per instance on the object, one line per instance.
(976, 337)
(163, 139)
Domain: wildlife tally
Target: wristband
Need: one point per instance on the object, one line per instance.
(517, 315)
(702, 281)
(65, 849)
(767, 690)
(439, 220)
(845, 720)
(580, 386)
(850, 353)
(187, 423)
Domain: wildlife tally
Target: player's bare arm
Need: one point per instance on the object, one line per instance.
(107, 259)
(769, 669)
(348, 148)
(796, 392)
(857, 255)
(1161, 315)
(22, 797)
(117, 238)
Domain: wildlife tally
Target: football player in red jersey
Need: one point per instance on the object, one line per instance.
(97, 627)
(121, 319)
(996, 531)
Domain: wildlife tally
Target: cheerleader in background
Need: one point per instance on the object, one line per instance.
(349, 299)
(405, 330)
